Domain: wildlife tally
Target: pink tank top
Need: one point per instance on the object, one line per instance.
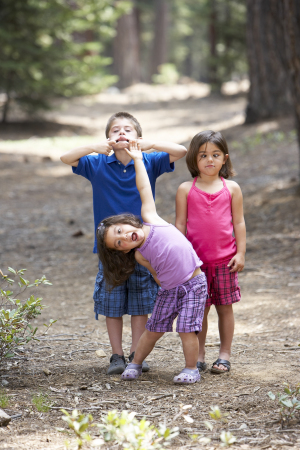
(170, 254)
(209, 224)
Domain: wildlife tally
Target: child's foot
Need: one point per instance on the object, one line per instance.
(201, 366)
(220, 366)
(117, 364)
(132, 372)
(187, 376)
(145, 367)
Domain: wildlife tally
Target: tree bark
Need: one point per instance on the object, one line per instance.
(126, 50)
(269, 94)
(160, 45)
(292, 38)
(5, 109)
(212, 35)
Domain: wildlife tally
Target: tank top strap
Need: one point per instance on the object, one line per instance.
(194, 182)
(225, 186)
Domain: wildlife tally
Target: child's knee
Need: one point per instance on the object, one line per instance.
(153, 335)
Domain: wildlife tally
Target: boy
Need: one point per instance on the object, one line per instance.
(114, 191)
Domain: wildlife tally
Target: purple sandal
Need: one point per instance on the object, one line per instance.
(132, 372)
(187, 376)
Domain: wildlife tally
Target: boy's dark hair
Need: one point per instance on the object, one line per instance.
(202, 138)
(117, 265)
(124, 115)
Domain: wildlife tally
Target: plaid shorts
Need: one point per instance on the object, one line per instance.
(222, 285)
(136, 297)
(187, 301)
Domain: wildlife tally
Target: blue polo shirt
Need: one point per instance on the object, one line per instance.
(114, 187)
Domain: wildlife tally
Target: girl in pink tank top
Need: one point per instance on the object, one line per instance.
(209, 212)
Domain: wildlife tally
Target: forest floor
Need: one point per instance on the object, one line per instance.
(46, 226)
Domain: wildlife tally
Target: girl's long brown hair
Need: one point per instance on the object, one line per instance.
(117, 265)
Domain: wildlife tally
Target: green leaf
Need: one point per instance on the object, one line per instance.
(287, 403)
(271, 395)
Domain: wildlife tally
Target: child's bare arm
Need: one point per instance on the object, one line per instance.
(238, 261)
(144, 262)
(181, 207)
(176, 151)
(148, 211)
(73, 156)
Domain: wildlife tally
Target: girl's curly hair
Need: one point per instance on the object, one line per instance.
(117, 265)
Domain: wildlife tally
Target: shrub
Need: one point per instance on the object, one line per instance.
(288, 402)
(41, 402)
(16, 314)
(120, 429)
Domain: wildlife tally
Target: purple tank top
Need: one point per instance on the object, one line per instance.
(170, 254)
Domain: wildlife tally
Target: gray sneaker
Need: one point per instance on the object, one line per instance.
(145, 367)
(117, 364)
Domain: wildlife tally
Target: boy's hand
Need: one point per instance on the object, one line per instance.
(237, 263)
(104, 147)
(145, 145)
(134, 150)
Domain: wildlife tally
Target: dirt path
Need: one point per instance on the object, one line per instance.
(41, 210)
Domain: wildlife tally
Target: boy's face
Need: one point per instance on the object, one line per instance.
(122, 131)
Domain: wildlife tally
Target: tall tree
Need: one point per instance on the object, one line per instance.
(126, 49)
(269, 91)
(160, 41)
(292, 43)
(273, 43)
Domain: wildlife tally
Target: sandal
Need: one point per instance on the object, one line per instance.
(187, 376)
(201, 366)
(132, 372)
(224, 363)
(145, 367)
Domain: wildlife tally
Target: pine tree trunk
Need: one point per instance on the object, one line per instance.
(213, 48)
(269, 94)
(292, 41)
(160, 47)
(126, 50)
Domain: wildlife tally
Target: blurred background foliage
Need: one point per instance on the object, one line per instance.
(65, 48)
(74, 47)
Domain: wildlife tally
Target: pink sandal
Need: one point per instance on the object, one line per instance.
(187, 376)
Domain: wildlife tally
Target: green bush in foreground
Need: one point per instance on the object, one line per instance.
(16, 314)
(124, 430)
(120, 429)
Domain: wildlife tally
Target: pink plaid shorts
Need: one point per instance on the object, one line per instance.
(187, 301)
(222, 285)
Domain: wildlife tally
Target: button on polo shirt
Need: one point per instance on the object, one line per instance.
(114, 188)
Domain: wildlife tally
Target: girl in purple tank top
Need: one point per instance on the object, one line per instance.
(124, 240)
(209, 212)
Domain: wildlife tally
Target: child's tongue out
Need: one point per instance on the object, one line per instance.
(134, 236)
